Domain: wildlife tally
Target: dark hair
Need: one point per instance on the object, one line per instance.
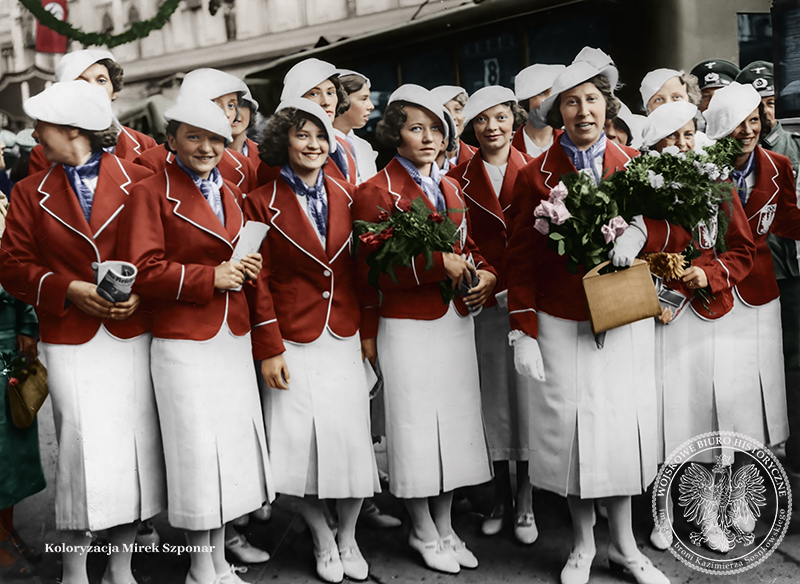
(602, 83)
(461, 98)
(352, 82)
(620, 124)
(341, 95)
(20, 168)
(253, 112)
(99, 139)
(115, 73)
(274, 147)
(394, 118)
(766, 128)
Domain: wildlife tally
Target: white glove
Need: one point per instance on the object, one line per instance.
(629, 244)
(528, 357)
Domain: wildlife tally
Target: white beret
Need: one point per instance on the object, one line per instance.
(210, 84)
(447, 93)
(729, 107)
(201, 113)
(26, 140)
(535, 79)
(600, 61)
(653, 81)
(576, 74)
(8, 138)
(634, 122)
(73, 64)
(248, 98)
(346, 72)
(486, 98)
(72, 103)
(306, 75)
(666, 119)
(419, 96)
(314, 109)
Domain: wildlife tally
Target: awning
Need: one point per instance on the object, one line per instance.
(11, 90)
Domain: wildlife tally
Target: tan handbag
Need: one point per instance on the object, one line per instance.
(27, 396)
(619, 298)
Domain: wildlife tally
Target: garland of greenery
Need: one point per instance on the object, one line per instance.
(138, 30)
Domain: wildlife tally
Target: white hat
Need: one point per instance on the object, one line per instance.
(306, 75)
(8, 138)
(654, 81)
(72, 103)
(418, 95)
(576, 74)
(535, 79)
(485, 98)
(314, 109)
(248, 98)
(634, 122)
(600, 61)
(729, 107)
(666, 119)
(447, 93)
(206, 83)
(346, 72)
(25, 139)
(73, 64)
(201, 113)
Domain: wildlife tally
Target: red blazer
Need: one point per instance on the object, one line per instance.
(234, 166)
(771, 208)
(417, 295)
(48, 244)
(537, 276)
(266, 174)
(519, 140)
(723, 270)
(302, 289)
(465, 152)
(252, 153)
(130, 144)
(487, 214)
(170, 232)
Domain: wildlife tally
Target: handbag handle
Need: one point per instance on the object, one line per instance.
(596, 270)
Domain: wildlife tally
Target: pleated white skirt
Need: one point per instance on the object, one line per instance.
(434, 426)
(213, 431)
(318, 431)
(110, 468)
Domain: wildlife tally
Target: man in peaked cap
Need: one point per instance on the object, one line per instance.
(784, 255)
(711, 75)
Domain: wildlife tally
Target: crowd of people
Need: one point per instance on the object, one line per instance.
(226, 378)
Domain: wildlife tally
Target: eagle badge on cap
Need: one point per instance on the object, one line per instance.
(711, 77)
(760, 83)
(765, 217)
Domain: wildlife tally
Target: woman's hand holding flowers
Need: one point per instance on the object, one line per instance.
(695, 278)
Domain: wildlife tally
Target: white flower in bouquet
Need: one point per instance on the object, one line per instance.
(656, 180)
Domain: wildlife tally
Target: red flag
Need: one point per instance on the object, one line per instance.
(47, 40)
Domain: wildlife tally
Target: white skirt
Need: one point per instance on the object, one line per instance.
(695, 366)
(110, 468)
(752, 401)
(504, 392)
(434, 427)
(318, 431)
(216, 455)
(593, 421)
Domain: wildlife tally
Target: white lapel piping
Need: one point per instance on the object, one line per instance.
(117, 212)
(545, 171)
(466, 194)
(346, 244)
(282, 232)
(200, 227)
(59, 219)
(238, 167)
(39, 292)
(138, 147)
(463, 224)
(774, 182)
(241, 214)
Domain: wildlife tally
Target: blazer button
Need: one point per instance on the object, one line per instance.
(326, 273)
(326, 294)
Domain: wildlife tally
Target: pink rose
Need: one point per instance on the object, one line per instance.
(556, 212)
(614, 229)
(559, 193)
(542, 226)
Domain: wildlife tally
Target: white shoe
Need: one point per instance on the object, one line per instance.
(329, 565)
(525, 528)
(640, 567)
(231, 577)
(435, 555)
(244, 551)
(353, 563)
(493, 524)
(577, 568)
(661, 537)
(464, 557)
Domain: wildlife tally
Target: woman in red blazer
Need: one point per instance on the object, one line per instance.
(180, 230)
(697, 331)
(248, 108)
(434, 428)
(594, 434)
(454, 98)
(98, 67)
(487, 182)
(532, 86)
(110, 470)
(754, 403)
(305, 320)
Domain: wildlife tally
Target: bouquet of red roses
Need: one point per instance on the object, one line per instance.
(397, 239)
